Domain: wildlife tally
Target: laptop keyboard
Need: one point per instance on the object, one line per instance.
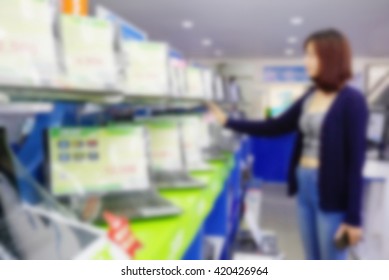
(172, 177)
(155, 211)
(134, 201)
(138, 205)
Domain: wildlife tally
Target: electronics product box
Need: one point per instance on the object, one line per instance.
(245, 247)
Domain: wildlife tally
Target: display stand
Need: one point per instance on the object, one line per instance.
(212, 211)
(275, 154)
(196, 249)
(375, 243)
(207, 211)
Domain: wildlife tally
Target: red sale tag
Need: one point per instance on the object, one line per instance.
(120, 233)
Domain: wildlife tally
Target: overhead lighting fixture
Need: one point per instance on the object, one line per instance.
(289, 52)
(187, 24)
(297, 20)
(292, 40)
(206, 42)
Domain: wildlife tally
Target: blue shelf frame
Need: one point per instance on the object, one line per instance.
(225, 217)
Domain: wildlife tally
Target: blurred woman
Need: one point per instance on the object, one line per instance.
(326, 171)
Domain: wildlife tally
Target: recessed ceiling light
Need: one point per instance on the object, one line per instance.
(206, 42)
(292, 40)
(297, 20)
(187, 24)
(218, 52)
(289, 52)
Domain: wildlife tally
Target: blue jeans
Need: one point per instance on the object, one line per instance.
(317, 227)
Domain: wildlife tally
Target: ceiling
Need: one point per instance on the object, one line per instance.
(256, 28)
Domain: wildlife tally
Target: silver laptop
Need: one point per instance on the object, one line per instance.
(110, 164)
(209, 149)
(167, 159)
(42, 231)
(223, 140)
(191, 133)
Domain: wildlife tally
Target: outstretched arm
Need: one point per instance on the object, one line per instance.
(286, 123)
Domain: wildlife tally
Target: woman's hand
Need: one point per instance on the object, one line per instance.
(354, 233)
(218, 113)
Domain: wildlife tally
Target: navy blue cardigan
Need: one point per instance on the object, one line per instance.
(342, 151)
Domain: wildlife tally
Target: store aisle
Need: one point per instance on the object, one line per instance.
(279, 215)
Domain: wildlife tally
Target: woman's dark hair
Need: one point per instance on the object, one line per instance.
(334, 52)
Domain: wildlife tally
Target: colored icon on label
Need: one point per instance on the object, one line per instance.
(63, 144)
(93, 156)
(64, 157)
(78, 144)
(79, 156)
(92, 143)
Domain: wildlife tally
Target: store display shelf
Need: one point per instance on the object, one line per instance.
(48, 93)
(25, 108)
(229, 104)
(147, 99)
(102, 96)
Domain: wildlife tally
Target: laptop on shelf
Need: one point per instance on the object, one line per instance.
(110, 164)
(166, 156)
(209, 149)
(191, 133)
(223, 140)
(213, 153)
(40, 231)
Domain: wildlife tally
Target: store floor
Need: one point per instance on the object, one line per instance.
(279, 215)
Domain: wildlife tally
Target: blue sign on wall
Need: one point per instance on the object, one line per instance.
(128, 32)
(283, 74)
(175, 54)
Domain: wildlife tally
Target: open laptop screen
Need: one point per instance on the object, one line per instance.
(164, 145)
(193, 135)
(97, 160)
